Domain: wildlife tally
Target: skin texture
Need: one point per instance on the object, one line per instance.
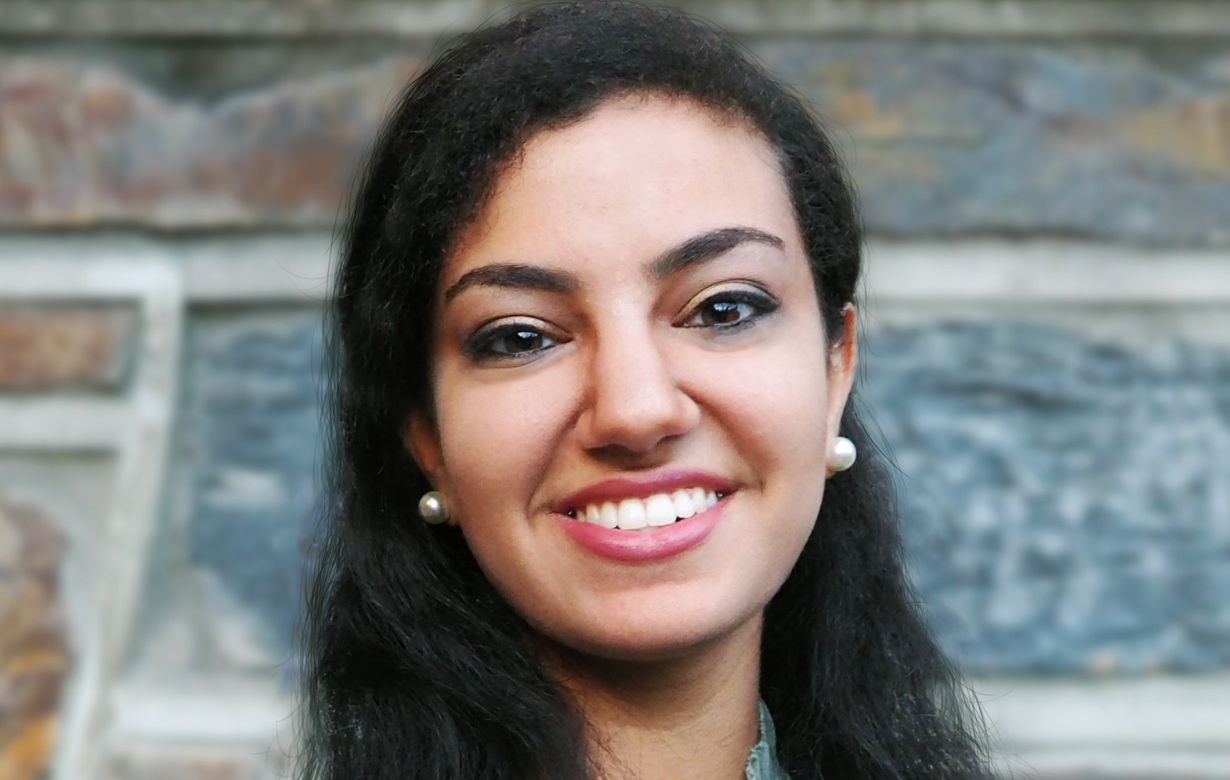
(628, 374)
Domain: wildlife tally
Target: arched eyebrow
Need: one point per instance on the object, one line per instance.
(698, 249)
(514, 275)
(707, 246)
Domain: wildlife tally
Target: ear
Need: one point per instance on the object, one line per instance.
(843, 362)
(423, 442)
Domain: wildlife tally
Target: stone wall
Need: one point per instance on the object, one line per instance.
(1047, 188)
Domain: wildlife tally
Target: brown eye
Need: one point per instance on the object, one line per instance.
(731, 310)
(508, 342)
(724, 313)
(516, 342)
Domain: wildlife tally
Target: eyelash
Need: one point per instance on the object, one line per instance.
(481, 347)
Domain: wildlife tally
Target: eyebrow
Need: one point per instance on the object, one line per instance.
(695, 250)
(707, 246)
(515, 275)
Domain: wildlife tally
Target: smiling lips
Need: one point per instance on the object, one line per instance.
(645, 519)
(656, 511)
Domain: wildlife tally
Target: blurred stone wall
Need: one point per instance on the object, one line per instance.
(1046, 185)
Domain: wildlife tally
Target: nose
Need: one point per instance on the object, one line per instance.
(634, 399)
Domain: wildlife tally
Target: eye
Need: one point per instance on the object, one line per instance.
(731, 310)
(508, 342)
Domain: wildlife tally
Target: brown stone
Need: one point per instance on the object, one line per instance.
(34, 655)
(45, 347)
(85, 145)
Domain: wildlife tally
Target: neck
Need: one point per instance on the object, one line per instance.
(692, 716)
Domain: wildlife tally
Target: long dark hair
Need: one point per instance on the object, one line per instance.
(414, 666)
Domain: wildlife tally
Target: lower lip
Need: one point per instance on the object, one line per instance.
(646, 544)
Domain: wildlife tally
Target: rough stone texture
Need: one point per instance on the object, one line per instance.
(953, 138)
(388, 18)
(1121, 142)
(83, 145)
(1067, 503)
(249, 446)
(49, 347)
(34, 654)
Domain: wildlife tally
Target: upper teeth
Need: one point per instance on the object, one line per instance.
(657, 510)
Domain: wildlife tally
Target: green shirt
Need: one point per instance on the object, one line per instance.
(762, 763)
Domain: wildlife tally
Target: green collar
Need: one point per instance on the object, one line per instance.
(762, 763)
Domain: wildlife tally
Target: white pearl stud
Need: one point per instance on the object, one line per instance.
(842, 454)
(432, 509)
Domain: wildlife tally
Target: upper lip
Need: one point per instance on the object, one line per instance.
(642, 486)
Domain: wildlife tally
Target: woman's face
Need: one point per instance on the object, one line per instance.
(628, 332)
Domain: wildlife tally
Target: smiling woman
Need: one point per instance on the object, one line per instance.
(595, 320)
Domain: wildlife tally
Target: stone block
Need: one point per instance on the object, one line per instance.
(1066, 502)
(247, 454)
(184, 763)
(51, 347)
(1107, 142)
(34, 649)
(1116, 142)
(82, 144)
(366, 19)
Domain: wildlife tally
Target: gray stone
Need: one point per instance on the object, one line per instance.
(184, 763)
(249, 446)
(946, 138)
(1066, 503)
(386, 18)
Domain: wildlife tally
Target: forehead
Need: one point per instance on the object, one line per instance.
(637, 174)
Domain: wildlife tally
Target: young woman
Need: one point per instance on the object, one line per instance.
(595, 509)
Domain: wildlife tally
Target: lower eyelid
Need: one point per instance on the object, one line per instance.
(741, 325)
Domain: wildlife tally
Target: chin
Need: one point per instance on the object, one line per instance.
(644, 649)
(649, 638)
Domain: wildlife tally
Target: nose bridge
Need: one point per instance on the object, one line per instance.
(634, 396)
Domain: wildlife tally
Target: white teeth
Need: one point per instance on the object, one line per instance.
(656, 511)
(683, 504)
(632, 514)
(608, 515)
(659, 510)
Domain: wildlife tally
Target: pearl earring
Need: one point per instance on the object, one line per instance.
(842, 454)
(432, 508)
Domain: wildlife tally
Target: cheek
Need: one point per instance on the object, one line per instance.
(773, 408)
(774, 401)
(498, 438)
